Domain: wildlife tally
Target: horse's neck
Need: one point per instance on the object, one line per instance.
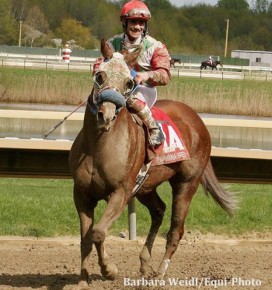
(123, 144)
(89, 120)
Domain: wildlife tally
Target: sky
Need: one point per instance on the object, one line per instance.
(179, 3)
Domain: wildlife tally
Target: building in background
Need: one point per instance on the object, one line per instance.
(256, 57)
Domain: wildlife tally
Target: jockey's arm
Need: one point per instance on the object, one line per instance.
(160, 73)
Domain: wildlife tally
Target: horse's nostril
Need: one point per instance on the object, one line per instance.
(100, 116)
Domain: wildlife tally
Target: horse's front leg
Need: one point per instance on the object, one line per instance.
(156, 209)
(115, 206)
(85, 208)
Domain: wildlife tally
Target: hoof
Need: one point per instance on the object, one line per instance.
(109, 272)
(162, 268)
(82, 285)
(148, 272)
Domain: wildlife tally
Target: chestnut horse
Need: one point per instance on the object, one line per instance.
(107, 155)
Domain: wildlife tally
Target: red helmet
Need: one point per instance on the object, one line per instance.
(135, 9)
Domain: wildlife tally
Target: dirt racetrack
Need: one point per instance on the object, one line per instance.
(206, 262)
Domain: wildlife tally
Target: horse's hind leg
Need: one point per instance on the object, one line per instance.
(85, 208)
(156, 209)
(182, 196)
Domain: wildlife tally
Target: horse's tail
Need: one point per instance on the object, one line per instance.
(210, 183)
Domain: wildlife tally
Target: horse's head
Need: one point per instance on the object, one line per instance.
(218, 62)
(113, 83)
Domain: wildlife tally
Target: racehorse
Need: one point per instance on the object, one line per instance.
(110, 150)
(174, 60)
(213, 65)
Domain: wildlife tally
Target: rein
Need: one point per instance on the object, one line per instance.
(93, 108)
(62, 121)
(105, 94)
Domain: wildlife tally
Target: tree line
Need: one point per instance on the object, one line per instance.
(198, 29)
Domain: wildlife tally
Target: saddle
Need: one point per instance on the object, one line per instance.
(211, 62)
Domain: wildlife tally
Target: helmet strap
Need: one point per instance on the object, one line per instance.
(146, 29)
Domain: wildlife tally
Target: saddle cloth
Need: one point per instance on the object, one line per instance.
(170, 151)
(173, 148)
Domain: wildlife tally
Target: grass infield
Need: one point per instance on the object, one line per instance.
(45, 208)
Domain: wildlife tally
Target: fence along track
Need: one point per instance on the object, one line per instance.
(54, 62)
(49, 158)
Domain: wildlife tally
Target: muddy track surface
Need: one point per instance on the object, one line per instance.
(206, 262)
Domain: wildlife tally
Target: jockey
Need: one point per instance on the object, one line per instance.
(152, 66)
(211, 60)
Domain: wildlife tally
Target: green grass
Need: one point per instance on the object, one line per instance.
(41, 86)
(239, 97)
(236, 97)
(44, 207)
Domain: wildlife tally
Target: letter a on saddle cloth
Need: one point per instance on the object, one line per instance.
(172, 149)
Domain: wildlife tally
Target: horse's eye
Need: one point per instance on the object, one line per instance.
(100, 78)
(129, 86)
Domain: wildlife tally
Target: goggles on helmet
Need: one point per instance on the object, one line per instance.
(138, 13)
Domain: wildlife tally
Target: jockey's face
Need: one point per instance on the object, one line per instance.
(135, 27)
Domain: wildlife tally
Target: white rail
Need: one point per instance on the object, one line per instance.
(54, 62)
(65, 145)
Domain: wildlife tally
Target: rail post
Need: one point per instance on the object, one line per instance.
(132, 219)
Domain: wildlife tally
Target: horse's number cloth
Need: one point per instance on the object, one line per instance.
(173, 148)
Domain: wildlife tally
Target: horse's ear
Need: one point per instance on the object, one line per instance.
(105, 49)
(131, 57)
